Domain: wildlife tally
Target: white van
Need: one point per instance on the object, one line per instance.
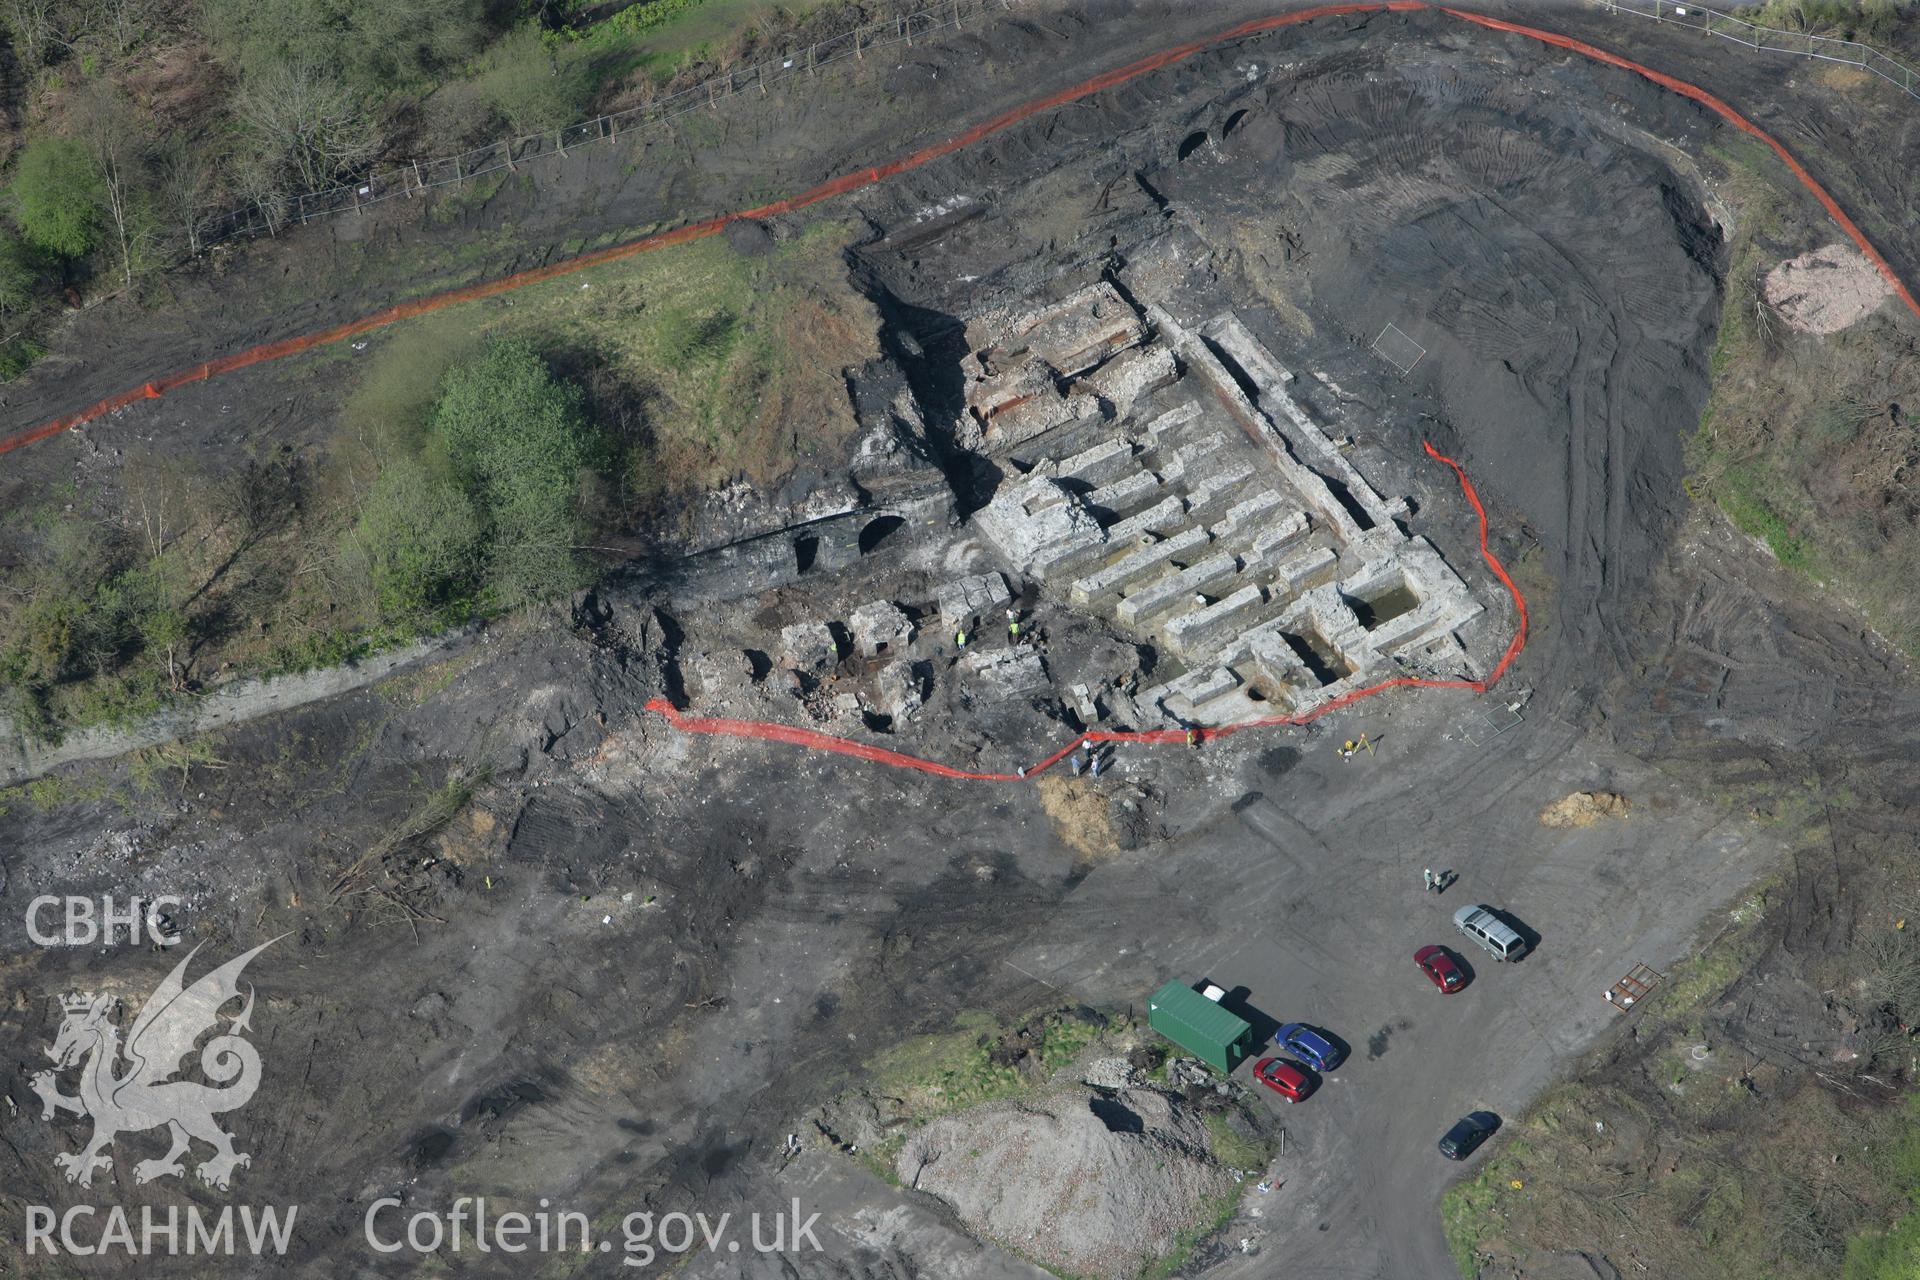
(1490, 931)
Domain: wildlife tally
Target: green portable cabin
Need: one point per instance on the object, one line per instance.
(1201, 1027)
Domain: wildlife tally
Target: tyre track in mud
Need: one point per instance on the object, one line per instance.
(1597, 464)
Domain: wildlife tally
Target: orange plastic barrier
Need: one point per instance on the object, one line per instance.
(769, 731)
(1707, 100)
(867, 177)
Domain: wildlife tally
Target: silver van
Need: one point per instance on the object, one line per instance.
(1490, 931)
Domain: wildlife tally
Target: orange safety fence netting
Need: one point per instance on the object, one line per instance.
(867, 177)
(1720, 108)
(769, 731)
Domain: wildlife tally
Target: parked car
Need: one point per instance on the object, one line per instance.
(1499, 938)
(1440, 968)
(1468, 1132)
(1285, 1079)
(1310, 1046)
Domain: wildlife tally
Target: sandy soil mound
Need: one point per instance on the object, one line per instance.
(1584, 808)
(1084, 1183)
(1826, 290)
(1079, 816)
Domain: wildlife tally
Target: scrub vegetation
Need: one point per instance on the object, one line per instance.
(479, 508)
(1869, 21)
(137, 122)
(476, 507)
(979, 1061)
(470, 473)
(1706, 1141)
(1808, 443)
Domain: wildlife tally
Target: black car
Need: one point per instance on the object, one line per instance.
(1468, 1133)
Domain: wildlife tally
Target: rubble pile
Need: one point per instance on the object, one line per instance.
(1176, 487)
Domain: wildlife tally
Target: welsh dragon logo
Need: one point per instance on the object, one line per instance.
(131, 1089)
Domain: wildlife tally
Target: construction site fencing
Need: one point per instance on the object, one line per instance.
(162, 383)
(1801, 44)
(268, 216)
(1188, 735)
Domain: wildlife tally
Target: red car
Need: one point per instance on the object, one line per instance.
(1285, 1079)
(1440, 968)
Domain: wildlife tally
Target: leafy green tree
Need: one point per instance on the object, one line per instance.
(88, 607)
(529, 86)
(19, 274)
(153, 598)
(416, 543)
(43, 638)
(315, 76)
(374, 46)
(57, 196)
(164, 632)
(115, 131)
(405, 41)
(519, 439)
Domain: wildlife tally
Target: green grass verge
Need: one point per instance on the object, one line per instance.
(1724, 1166)
(1466, 1215)
(1231, 1148)
(732, 361)
(1893, 1254)
(1751, 499)
(1700, 979)
(664, 35)
(948, 1071)
(1889, 1255)
(1476, 1209)
(708, 364)
(1800, 444)
(146, 771)
(55, 792)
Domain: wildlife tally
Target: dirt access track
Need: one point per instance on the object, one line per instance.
(615, 965)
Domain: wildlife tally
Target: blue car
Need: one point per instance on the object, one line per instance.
(1313, 1048)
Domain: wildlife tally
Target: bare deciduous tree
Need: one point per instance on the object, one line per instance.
(309, 120)
(187, 186)
(124, 22)
(260, 179)
(37, 29)
(110, 126)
